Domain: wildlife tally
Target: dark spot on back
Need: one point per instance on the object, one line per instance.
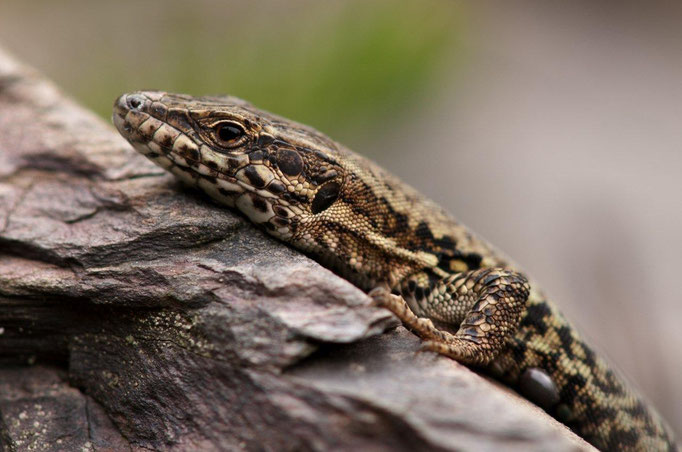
(621, 439)
(446, 242)
(566, 339)
(535, 317)
(609, 383)
(573, 384)
(589, 357)
(520, 347)
(472, 260)
(423, 231)
(401, 222)
(360, 211)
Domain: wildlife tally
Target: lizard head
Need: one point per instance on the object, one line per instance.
(279, 173)
(301, 186)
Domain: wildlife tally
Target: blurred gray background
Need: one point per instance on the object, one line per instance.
(551, 128)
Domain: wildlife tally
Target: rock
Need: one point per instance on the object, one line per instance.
(136, 314)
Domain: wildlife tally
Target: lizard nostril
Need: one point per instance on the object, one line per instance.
(134, 102)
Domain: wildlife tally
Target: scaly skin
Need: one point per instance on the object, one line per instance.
(464, 298)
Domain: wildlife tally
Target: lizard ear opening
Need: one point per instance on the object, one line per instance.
(325, 197)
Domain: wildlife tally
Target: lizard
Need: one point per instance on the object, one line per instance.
(461, 296)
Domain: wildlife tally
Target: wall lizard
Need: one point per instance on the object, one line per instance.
(460, 295)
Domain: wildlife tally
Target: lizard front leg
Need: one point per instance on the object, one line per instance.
(485, 304)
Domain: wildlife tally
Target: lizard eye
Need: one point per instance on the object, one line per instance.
(228, 134)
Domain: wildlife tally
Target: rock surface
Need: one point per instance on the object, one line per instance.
(135, 314)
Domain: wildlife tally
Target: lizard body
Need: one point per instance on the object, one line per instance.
(464, 298)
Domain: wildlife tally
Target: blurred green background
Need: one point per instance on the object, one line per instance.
(344, 67)
(551, 128)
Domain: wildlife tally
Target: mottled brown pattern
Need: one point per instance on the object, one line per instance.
(464, 298)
